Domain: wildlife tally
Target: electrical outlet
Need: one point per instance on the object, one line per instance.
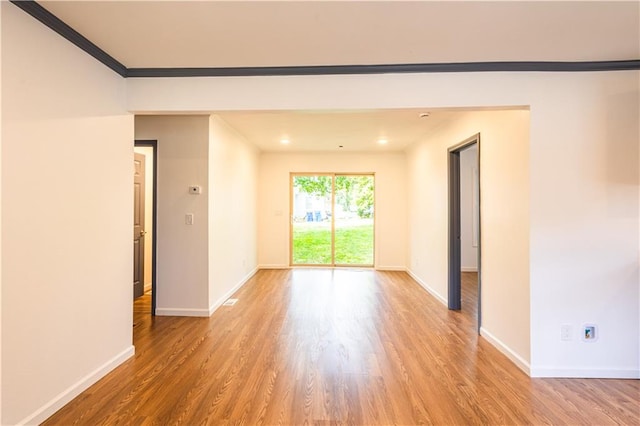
(589, 333)
(566, 332)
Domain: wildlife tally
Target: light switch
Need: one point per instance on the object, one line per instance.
(188, 219)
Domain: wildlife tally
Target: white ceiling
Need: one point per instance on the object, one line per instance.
(240, 33)
(328, 130)
(142, 34)
(147, 34)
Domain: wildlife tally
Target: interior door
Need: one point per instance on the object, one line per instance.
(138, 225)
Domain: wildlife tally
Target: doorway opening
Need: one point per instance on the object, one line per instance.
(464, 226)
(332, 219)
(144, 233)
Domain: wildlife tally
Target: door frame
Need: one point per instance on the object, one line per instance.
(333, 176)
(455, 247)
(154, 235)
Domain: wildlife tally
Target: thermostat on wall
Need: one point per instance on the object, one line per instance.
(195, 189)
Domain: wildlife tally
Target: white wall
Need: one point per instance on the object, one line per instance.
(468, 209)
(67, 159)
(590, 115)
(147, 151)
(200, 265)
(62, 112)
(182, 263)
(584, 226)
(390, 202)
(504, 183)
(233, 212)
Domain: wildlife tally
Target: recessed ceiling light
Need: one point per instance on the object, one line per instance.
(285, 141)
(382, 141)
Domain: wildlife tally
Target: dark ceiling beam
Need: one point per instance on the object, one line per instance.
(56, 24)
(388, 69)
(50, 20)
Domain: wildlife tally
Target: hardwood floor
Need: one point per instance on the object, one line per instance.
(324, 346)
(141, 309)
(469, 287)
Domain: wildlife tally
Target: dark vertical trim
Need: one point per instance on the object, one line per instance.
(479, 235)
(154, 236)
(455, 249)
(455, 293)
(56, 24)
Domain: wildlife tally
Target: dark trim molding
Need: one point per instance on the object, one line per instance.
(154, 235)
(454, 287)
(50, 20)
(56, 24)
(388, 69)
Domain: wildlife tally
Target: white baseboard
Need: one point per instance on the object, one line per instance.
(378, 268)
(64, 397)
(469, 269)
(181, 312)
(520, 362)
(190, 312)
(426, 287)
(577, 373)
(273, 266)
(229, 293)
(391, 268)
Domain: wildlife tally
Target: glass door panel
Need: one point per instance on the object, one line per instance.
(311, 221)
(353, 220)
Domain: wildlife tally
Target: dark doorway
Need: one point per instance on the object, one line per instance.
(454, 236)
(151, 228)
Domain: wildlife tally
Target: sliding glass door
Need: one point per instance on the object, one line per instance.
(353, 220)
(332, 219)
(311, 224)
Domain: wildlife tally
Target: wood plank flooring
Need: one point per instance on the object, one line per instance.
(335, 346)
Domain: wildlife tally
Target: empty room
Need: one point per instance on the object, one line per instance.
(343, 212)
